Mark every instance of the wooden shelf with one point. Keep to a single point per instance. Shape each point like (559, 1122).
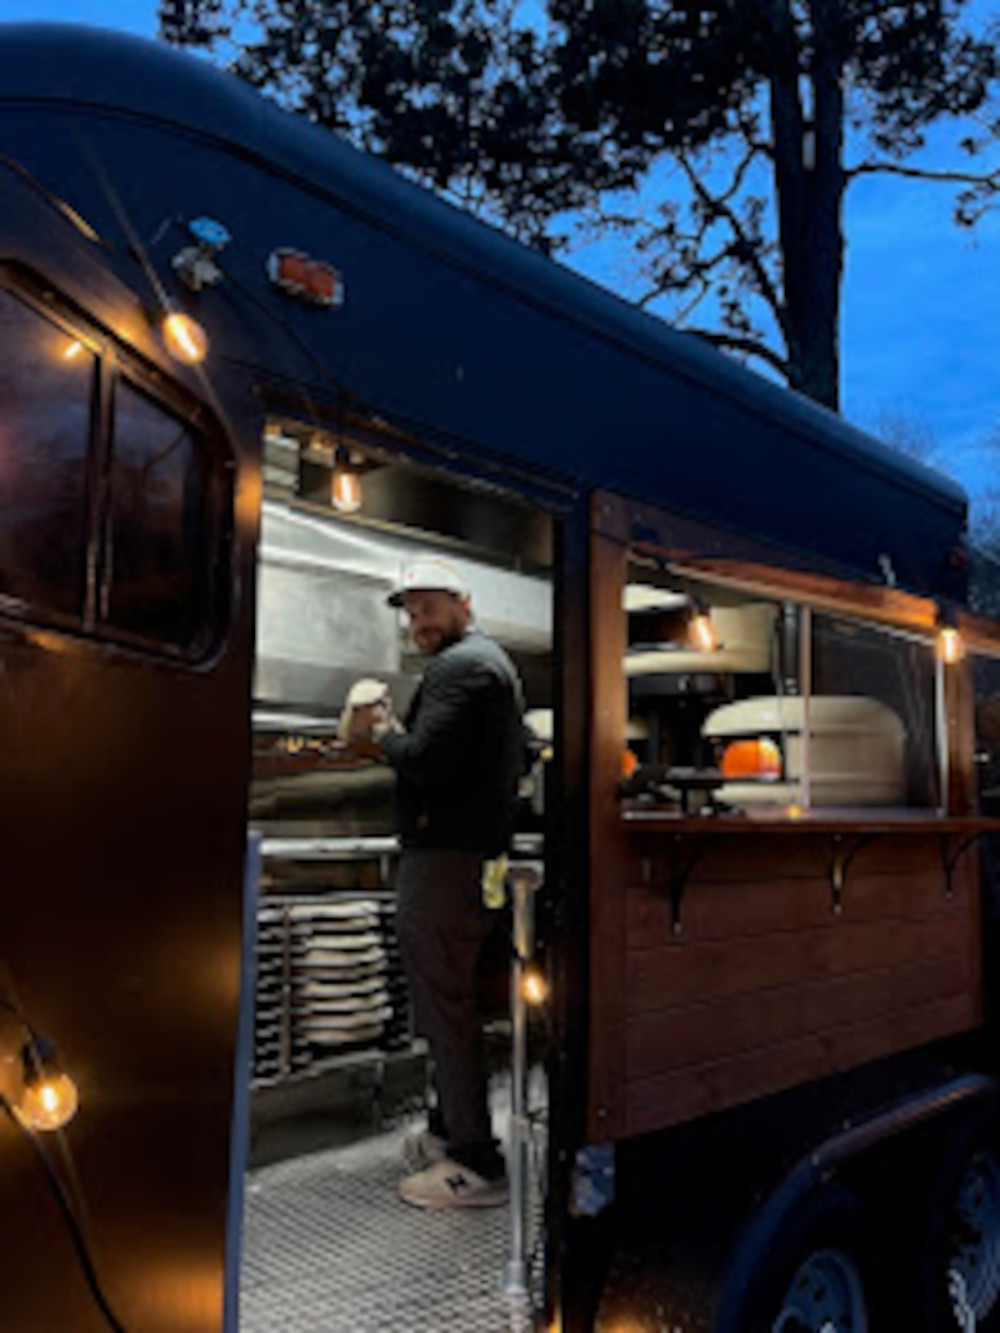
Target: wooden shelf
(847, 834)
(822, 821)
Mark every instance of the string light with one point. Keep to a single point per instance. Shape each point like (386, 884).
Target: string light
(534, 987)
(49, 1098)
(185, 339)
(45, 1097)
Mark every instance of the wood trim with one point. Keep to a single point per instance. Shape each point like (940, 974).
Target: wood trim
(608, 847)
(960, 716)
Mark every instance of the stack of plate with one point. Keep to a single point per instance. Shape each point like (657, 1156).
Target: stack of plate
(341, 991)
(329, 980)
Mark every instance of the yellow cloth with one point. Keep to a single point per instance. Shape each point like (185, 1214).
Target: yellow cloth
(495, 883)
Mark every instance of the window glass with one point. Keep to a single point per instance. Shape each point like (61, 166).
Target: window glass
(46, 383)
(156, 577)
(873, 733)
(712, 680)
(722, 716)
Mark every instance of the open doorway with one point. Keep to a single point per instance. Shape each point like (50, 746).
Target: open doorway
(339, 1076)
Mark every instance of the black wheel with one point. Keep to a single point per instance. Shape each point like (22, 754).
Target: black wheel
(959, 1245)
(812, 1274)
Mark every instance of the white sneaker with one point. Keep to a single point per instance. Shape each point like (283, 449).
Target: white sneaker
(447, 1184)
(422, 1149)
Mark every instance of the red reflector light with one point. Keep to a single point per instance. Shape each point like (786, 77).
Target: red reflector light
(306, 279)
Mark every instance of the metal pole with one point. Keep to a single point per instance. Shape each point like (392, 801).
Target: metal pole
(523, 878)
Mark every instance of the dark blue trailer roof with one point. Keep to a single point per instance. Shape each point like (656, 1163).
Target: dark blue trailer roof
(449, 325)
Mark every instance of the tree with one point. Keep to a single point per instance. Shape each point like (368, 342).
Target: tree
(452, 91)
(740, 126)
(910, 436)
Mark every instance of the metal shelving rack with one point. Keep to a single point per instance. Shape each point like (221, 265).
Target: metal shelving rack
(327, 963)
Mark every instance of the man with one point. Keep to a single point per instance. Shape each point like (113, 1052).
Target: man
(457, 758)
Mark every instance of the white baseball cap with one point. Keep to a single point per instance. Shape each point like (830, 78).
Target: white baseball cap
(428, 574)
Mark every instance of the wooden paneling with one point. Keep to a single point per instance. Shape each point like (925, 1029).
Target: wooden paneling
(714, 909)
(767, 986)
(696, 1033)
(690, 972)
(700, 1089)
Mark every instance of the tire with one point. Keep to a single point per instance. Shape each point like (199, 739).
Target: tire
(959, 1243)
(813, 1274)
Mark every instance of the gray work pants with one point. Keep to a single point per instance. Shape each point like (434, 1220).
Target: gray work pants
(442, 924)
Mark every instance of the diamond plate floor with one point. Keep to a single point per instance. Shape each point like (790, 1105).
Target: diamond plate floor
(328, 1247)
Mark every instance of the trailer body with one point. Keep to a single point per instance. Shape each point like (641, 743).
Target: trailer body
(701, 963)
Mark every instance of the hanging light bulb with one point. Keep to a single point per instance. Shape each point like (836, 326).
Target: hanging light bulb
(345, 489)
(184, 337)
(49, 1098)
(950, 644)
(701, 631)
(534, 987)
(951, 649)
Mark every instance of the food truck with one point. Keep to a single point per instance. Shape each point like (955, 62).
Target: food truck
(247, 373)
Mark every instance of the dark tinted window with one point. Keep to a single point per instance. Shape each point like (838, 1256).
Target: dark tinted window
(46, 379)
(156, 578)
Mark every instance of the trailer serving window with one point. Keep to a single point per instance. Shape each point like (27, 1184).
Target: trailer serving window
(116, 499)
(740, 701)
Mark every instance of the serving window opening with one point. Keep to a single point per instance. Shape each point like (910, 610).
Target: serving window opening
(337, 1066)
(741, 702)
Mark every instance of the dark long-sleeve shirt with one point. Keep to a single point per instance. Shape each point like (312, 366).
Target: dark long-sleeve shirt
(461, 755)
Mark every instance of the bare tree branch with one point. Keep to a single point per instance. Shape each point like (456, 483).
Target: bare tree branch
(740, 172)
(691, 306)
(750, 252)
(991, 179)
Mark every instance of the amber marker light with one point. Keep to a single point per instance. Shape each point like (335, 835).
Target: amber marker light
(534, 987)
(185, 339)
(49, 1098)
(72, 350)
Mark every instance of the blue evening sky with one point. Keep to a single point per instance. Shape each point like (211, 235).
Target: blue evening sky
(921, 328)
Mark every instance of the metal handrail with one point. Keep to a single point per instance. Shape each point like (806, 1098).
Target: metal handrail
(524, 878)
